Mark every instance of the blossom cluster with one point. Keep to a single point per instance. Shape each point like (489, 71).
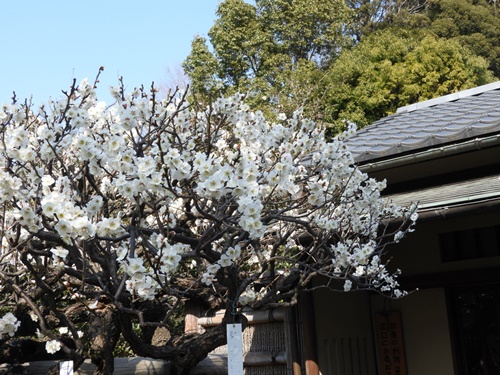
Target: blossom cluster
(227, 259)
(9, 324)
(144, 281)
(127, 199)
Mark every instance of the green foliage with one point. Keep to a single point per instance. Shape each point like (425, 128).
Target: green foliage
(268, 49)
(201, 67)
(387, 70)
(238, 54)
(472, 23)
(356, 60)
(370, 14)
(476, 25)
(309, 30)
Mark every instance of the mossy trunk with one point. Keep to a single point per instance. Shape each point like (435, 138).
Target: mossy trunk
(184, 353)
(104, 333)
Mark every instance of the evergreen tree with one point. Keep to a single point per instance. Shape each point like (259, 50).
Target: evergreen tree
(473, 23)
(357, 60)
(389, 69)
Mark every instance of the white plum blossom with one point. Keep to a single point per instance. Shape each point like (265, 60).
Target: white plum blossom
(9, 324)
(33, 316)
(52, 346)
(347, 285)
(134, 266)
(142, 286)
(109, 227)
(225, 261)
(59, 252)
(234, 252)
(94, 205)
(398, 236)
(209, 276)
(247, 297)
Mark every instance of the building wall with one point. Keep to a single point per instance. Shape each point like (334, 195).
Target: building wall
(344, 333)
(419, 252)
(425, 330)
(344, 321)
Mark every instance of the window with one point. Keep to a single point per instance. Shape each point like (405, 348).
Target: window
(470, 244)
(476, 327)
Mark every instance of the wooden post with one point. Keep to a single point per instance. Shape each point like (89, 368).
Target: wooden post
(306, 308)
(294, 360)
(192, 312)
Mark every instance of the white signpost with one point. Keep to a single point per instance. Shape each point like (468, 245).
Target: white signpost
(66, 368)
(234, 349)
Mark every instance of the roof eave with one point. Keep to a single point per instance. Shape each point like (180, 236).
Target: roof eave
(430, 154)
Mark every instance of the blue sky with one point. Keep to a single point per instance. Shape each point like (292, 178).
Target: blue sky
(45, 44)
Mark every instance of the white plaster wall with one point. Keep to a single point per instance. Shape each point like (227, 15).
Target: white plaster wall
(425, 330)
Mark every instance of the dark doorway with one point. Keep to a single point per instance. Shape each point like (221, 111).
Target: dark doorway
(476, 328)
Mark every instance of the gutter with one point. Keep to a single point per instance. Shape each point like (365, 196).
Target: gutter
(434, 153)
(447, 212)
(460, 201)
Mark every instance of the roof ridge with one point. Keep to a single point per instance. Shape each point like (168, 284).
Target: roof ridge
(450, 97)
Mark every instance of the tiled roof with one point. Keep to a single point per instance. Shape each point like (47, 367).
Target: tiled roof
(451, 118)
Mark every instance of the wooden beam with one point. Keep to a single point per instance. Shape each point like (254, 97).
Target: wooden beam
(465, 277)
(253, 317)
(291, 327)
(265, 359)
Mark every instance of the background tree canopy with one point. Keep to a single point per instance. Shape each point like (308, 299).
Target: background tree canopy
(389, 69)
(345, 60)
(473, 23)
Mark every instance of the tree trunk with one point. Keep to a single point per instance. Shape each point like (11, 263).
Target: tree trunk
(104, 333)
(195, 348)
(184, 353)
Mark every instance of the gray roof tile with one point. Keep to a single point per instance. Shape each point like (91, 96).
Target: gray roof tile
(452, 193)
(456, 117)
